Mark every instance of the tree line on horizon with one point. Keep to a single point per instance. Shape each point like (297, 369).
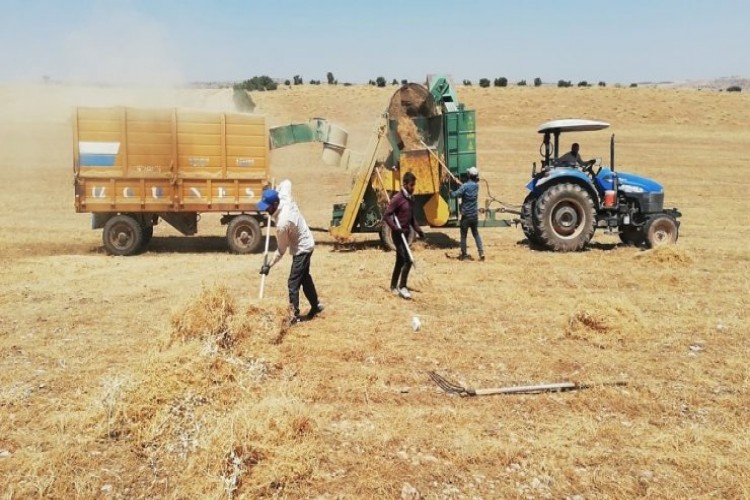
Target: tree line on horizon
(265, 83)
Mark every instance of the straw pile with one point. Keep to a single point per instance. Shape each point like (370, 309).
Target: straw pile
(605, 325)
(666, 254)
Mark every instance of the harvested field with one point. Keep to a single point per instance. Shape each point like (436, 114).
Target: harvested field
(163, 376)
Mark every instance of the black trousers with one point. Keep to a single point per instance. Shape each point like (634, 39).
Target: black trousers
(403, 264)
(299, 276)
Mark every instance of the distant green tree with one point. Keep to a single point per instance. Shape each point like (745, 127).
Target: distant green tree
(633, 85)
(500, 82)
(297, 80)
(522, 83)
(564, 83)
(287, 82)
(380, 81)
(734, 88)
(371, 82)
(537, 82)
(258, 83)
(314, 82)
(404, 81)
(329, 77)
(583, 83)
(394, 82)
(484, 82)
(467, 83)
(602, 84)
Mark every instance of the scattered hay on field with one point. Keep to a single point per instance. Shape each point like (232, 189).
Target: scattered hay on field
(212, 318)
(666, 254)
(212, 416)
(409, 133)
(207, 317)
(605, 325)
(202, 407)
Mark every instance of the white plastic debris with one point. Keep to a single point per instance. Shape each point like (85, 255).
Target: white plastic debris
(416, 325)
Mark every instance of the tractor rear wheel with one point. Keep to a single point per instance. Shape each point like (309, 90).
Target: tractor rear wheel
(565, 216)
(528, 225)
(244, 234)
(661, 230)
(122, 235)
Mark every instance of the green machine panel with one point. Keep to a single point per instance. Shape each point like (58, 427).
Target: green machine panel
(460, 140)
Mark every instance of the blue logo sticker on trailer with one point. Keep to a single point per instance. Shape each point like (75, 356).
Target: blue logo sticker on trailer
(98, 154)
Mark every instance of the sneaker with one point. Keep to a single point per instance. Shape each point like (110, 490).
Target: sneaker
(314, 311)
(404, 293)
(394, 291)
(295, 320)
(481, 257)
(463, 257)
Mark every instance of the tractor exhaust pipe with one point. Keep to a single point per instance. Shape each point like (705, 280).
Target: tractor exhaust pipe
(612, 153)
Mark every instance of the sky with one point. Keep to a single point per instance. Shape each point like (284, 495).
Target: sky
(175, 42)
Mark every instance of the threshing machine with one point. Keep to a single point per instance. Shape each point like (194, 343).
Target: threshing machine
(425, 131)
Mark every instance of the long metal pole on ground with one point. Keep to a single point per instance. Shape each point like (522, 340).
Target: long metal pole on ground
(265, 252)
(265, 256)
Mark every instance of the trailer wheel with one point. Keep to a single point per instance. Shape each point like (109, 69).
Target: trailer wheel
(565, 216)
(661, 230)
(244, 234)
(386, 237)
(122, 235)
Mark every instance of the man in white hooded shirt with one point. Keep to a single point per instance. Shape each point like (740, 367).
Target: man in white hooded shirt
(292, 233)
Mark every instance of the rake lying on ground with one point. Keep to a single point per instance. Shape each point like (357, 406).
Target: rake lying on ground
(452, 388)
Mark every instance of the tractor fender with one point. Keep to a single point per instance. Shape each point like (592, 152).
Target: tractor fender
(558, 176)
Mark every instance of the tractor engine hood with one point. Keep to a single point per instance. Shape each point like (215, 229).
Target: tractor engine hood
(632, 183)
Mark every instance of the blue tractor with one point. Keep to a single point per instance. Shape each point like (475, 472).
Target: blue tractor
(567, 202)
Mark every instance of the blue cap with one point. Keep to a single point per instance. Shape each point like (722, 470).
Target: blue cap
(270, 196)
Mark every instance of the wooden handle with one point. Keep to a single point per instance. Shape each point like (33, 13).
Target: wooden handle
(526, 389)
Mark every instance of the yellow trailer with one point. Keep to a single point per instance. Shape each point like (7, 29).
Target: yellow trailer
(134, 167)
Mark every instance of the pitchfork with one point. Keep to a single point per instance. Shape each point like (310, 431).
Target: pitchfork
(452, 388)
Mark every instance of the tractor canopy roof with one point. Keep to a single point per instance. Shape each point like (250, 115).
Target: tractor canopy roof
(571, 125)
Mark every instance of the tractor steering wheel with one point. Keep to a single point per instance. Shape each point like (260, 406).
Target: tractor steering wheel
(589, 167)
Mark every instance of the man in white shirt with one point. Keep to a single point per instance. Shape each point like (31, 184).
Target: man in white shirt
(292, 233)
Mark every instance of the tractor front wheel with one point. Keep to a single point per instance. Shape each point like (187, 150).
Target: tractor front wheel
(565, 216)
(661, 230)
